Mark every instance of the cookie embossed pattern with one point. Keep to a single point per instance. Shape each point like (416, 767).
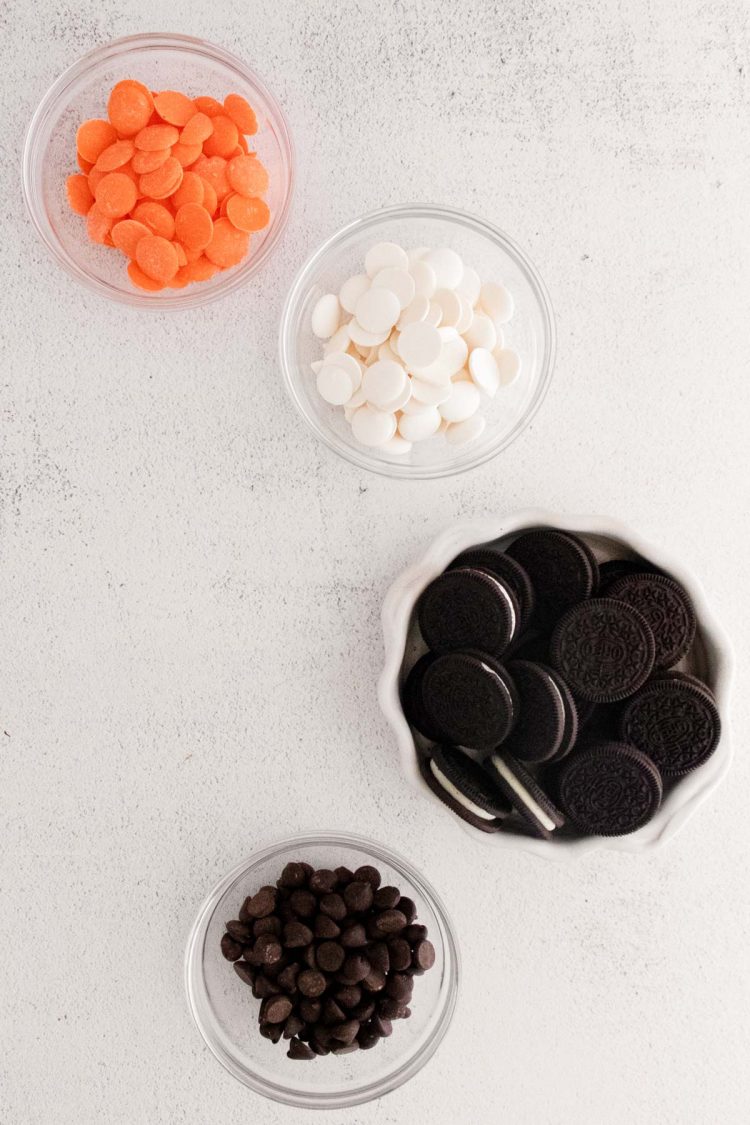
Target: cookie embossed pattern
(696, 691)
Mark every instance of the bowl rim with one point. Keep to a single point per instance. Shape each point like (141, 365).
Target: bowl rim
(303, 279)
(154, 40)
(196, 993)
(691, 791)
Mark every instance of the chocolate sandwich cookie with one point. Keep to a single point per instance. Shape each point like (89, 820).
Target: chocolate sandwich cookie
(609, 788)
(543, 706)
(412, 703)
(506, 569)
(562, 569)
(666, 607)
(471, 698)
(468, 608)
(615, 569)
(524, 794)
(674, 720)
(464, 787)
(604, 649)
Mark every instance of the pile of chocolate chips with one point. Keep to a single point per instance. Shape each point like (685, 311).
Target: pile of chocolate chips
(558, 675)
(331, 955)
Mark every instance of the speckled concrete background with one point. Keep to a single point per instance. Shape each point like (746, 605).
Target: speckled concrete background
(190, 586)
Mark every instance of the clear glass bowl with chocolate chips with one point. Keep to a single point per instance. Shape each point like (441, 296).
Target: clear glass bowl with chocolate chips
(337, 951)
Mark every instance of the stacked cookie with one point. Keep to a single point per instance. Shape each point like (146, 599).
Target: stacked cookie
(549, 694)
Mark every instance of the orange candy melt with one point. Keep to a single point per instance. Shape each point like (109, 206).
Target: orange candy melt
(167, 180)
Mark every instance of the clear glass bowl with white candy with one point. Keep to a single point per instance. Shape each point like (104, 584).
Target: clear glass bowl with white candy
(417, 342)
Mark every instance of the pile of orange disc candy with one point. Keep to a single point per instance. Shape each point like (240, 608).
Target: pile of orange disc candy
(170, 181)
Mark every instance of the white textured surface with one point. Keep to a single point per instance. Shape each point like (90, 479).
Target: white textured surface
(190, 596)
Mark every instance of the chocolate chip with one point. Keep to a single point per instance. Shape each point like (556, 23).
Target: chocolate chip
(368, 1038)
(293, 875)
(332, 1013)
(267, 950)
(293, 1025)
(343, 875)
(334, 906)
(307, 868)
(408, 908)
(348, 996)
(400, 953)
(240, 932)
(364, 1011)
(330, 956)
(303, 903)
(325, 927)
(300, 1050)
(309, 957)
(415, 933)
(275, 969)
(263, 903)
(287, 978)
(368, 874)
(354, 936)
(271, 924)
(243, 914)
(374, 981)
(230, 948)
(244, 972)
(346, 1049)
(318, 1050)
(263, 987)
(399, 986)
(386, 898)
(424, 955)
(358, 896)
(271, 1031)
(391, 1009)
(323, 881)
(355, 968)
(379, 956)
(311, 983)
(297, 935)
(390, 921)
(345, 1032)
(309, 1010)
(382, 1026)
(276, 1009)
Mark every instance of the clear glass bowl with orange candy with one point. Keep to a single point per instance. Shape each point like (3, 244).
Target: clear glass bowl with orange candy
(158, 171)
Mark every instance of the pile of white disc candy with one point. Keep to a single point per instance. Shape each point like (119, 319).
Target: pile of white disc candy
(410, 344)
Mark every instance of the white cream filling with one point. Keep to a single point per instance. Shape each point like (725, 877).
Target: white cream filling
(456, 794)
(523, 794)
(508, 602)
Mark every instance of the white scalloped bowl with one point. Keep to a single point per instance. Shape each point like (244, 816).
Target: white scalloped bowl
(711, 658)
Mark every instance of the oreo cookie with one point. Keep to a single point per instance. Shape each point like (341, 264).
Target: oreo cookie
(562, 569)
(468, 608)
(526, 796)
(544, 705)
(615, 569)
(507, 570)
(609, 788)
(667, 609)
(464, 787)
(674, 720)
(604, 649)
(411, 700)
(471, 698)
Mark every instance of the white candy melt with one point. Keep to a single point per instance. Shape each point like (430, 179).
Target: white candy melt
(373, 427)
(334, 385)
(419, 345)
(383, 255)
(326, 316)
(408, 345)
(384, 383)
(352, 290)
(496, 301)
(377, 310)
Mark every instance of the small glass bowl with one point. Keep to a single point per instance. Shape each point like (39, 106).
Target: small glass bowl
(226, 1013)
(161, 62)
(496, 258)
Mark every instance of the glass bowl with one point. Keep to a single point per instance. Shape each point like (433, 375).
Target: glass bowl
(496, 258)
(160, 62)
(226, 1012)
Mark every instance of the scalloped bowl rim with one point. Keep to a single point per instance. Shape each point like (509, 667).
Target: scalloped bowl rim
(692, 790)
